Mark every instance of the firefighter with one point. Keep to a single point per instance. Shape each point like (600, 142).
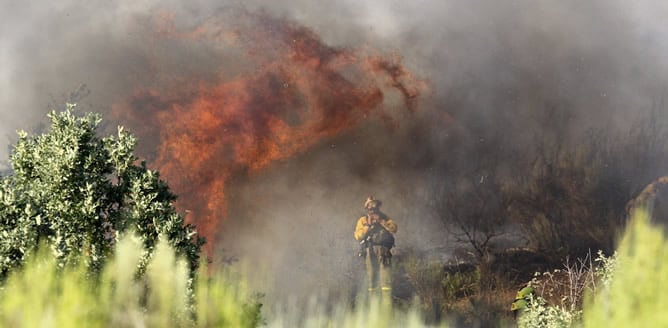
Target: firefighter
(375, 232)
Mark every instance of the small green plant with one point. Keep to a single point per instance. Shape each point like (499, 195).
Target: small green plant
(605, 268)
(538, 314)
(457, 284)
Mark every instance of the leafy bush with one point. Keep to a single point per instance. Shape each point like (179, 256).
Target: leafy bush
(79, 192)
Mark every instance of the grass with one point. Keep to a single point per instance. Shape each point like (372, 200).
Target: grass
(42, 294)
(631, 290)
(637, 293)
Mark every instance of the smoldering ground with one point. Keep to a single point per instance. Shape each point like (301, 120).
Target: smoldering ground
(494, 69)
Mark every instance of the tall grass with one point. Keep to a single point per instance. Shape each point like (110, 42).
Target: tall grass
(42, 294)
(637, 294)
(632, 292)
(369, 312)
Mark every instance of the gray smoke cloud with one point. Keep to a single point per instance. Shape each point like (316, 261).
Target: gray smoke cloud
(494, 68)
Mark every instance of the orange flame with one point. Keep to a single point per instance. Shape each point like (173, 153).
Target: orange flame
(299, 92)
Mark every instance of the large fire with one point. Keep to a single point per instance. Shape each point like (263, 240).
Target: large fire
(296, 92)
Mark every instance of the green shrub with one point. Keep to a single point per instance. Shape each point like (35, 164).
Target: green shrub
(79, 192)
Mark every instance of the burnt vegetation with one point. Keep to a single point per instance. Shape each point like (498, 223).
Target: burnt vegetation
(516, 213)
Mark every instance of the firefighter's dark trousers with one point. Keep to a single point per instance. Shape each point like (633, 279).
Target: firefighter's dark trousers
(378, 268)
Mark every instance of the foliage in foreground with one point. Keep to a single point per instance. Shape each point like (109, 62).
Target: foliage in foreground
(637, 293)
(42, 294)
(631, 291)
(631, 288)
(79, 192)
(369, 313)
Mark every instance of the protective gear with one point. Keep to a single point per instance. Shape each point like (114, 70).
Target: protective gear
(375, 232)
(365, 222)
(376, 235)
(371, 202)
(378, 269)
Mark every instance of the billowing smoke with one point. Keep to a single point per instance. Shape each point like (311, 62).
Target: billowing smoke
(491, 70)
(299, 92)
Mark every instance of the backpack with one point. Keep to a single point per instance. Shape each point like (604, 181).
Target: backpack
(382, 237)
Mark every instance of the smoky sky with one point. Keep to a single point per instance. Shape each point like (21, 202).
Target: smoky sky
(482, 57)
(493, 68)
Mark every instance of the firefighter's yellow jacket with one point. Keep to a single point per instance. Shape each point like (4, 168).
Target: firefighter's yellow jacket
(363, 226)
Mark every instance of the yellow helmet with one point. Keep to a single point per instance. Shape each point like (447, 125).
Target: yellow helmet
(371, 202)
